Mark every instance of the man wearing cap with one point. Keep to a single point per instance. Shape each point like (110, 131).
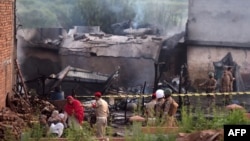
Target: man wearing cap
(74, 112)
(159, 104)
(102, 112)
(210, 86)
(169, 109)
(150, 111)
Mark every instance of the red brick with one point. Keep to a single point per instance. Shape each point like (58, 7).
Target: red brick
(6, 43)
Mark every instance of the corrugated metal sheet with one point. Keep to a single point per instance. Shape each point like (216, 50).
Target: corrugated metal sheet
(87, 76)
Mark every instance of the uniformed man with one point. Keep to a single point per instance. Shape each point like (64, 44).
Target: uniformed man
(230, 74)
(150, 111)
(169, 109)
(102, 112)
(227, 83)
(210, 86)
(159, 104)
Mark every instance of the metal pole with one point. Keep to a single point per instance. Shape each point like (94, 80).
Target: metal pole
(156, 74)
(125, 114)
(180, 85)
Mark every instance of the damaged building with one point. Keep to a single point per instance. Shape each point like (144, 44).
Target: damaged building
(217, 35)
(142, 55)
(43, 52)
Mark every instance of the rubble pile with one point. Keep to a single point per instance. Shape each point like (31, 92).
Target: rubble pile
(20, 114)
(11, 124)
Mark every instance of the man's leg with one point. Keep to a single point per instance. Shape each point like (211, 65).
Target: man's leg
(101, 124)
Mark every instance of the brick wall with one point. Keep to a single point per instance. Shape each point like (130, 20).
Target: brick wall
(6, 48)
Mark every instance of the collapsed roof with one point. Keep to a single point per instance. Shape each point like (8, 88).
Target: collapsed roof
(70, 73)
(91, 49)
(136, 44)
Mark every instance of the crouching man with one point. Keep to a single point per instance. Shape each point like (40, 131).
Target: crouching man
(55, 124)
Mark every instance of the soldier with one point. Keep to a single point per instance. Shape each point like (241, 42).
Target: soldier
(210, 85)
(227, 83)
(150, 112)
(230, 73)
(159, 104)
(169, 109)
(102, 112)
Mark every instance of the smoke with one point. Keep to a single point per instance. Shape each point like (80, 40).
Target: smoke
(169, 16)
(165, 14)
(21, 43)
(139, 14)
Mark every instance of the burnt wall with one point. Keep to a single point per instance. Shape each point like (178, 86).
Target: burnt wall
(36, 65)
(133, 71)
(200, 61)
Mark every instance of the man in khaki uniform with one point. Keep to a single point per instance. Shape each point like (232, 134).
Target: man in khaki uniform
(169, 109)
(102, 112)
(210, 85)
(227, 83)
(159, 104)
(150, 111)
(230, 74)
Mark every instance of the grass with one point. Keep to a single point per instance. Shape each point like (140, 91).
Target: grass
(190, 122)
(133, 133)
(195, 122)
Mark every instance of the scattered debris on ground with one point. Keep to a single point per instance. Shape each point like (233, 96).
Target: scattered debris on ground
(205, 135)
(20, 114)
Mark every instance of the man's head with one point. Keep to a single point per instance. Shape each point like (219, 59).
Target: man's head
(159, 93)
(70, 99)
(210, 74)
(97, 95)
(167, 92)
(229, 68)
(55, 113)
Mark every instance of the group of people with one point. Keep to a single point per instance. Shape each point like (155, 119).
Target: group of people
(54, 124)
(162, 107)
(161, 110)
(226, 85)
(72, 116)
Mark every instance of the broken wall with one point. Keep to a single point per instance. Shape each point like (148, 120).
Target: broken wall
(215, 28)
(133, 71)
(200, 61)
(97, 52)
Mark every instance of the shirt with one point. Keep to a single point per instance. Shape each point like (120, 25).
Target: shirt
(102, 109)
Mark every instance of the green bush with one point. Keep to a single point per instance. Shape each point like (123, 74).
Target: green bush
(194, 122)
